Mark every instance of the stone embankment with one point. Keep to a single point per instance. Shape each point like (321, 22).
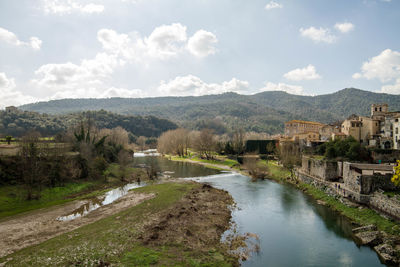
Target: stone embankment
(387, 247)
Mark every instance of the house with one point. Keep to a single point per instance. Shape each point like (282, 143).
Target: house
(326, 131)
(295, 127)
(11, 109)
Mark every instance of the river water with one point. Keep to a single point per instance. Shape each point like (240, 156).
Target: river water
(294, 230)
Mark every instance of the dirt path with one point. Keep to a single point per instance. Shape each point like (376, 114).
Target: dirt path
(38, 226)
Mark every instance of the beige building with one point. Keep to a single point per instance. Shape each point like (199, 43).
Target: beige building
(295, 127)
(396, 133)
(327, 130)
(363, 129)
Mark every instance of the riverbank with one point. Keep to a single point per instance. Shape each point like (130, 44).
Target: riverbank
(13, 200)
(385, 236)
(181, 224)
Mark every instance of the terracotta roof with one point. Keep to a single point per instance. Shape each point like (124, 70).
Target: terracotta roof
(306, 122)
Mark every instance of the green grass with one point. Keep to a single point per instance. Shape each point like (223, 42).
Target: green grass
(115, 239)
(13, 198)
(364, 216)
(276, 172)
(219, 161)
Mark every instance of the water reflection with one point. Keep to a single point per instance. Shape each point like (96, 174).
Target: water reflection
(95, 203)
(173, 169)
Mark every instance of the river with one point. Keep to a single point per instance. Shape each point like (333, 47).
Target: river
(294, 230)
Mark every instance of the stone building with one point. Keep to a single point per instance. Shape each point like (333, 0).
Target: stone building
(11, 109)
(296, 127)
(326, 132)
(366, 130)
(396, 132)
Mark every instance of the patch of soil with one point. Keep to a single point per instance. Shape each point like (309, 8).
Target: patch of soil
(38, 226)
(197, 221)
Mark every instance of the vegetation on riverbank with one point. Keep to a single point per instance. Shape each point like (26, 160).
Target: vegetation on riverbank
(363, 216)
(13, 200)
(146, 234)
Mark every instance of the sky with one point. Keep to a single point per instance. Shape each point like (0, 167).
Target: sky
(54, 49)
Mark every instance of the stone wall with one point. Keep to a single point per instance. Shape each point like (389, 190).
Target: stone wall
(325, 170)
(385, 156)
(351, 178)
(371, 183)
(382, 203)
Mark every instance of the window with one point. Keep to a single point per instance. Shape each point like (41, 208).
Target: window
(380, 109)
(397, 130)
(376, 109)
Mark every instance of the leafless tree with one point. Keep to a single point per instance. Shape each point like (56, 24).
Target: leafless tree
(124, 159)
(31, 159)
(174, 142)
(289, 154)
(141, 142)
(238, 141)
(205, 143)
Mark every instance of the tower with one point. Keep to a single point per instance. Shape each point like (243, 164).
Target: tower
(378, 110)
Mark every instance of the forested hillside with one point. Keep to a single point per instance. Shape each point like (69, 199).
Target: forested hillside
(262, 112)
(17, 124)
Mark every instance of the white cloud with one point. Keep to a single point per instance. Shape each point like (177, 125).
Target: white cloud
(392, 89)
(192, 85)
(201, 43)
(97, 93)
(356, 76)
(68, 76)
(306, 73)
(69, 6)
(10, 38)
(318, 34)
(385, 67)
(344, 27)
(272, 5)
(93, 77)
(164, 42)
(291, 89)
(9, 95)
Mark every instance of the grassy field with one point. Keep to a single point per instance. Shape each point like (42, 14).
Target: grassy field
(13, 198)
(220, 160)
(116, 240)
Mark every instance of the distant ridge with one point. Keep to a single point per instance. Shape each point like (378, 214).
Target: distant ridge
(262, 112)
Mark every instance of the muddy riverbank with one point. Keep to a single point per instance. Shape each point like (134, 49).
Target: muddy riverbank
(175, 223)
(40, 225)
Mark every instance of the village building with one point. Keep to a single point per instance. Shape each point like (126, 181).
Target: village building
(295, 127)
(326, 131)
(12, 109)
(366, 130)
(396, 132)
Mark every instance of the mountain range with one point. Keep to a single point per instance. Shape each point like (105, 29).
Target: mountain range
(262, 112)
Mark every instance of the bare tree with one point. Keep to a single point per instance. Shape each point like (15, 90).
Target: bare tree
(141, 142)
(256, 169)
(174, 142)
(124, 159)
(205, 143)
(289, 154)
(238, 141)
(32, 171)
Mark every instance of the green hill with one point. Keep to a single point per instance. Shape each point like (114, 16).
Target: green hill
(262, 112)
(17, 124)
